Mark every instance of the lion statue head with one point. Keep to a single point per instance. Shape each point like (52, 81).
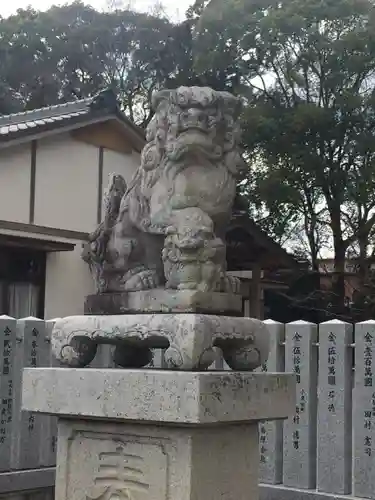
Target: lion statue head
(191, 126)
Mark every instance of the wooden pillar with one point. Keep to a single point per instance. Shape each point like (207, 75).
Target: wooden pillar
(255, 295)
(245, 292)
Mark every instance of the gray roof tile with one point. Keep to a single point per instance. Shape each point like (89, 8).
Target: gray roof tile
(103, 105)
(10, 125)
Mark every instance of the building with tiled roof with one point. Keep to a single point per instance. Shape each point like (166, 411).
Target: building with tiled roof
(28, 125)
(54, 165)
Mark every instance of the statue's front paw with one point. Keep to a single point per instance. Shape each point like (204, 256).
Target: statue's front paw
(229, 284)
(144, 280)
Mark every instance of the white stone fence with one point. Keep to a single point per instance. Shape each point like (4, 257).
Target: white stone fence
(327, 447)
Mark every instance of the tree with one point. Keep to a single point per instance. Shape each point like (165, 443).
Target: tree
(35, 48)
(306, 71)
(70, 52)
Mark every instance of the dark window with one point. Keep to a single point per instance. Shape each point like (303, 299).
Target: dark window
(22, 282)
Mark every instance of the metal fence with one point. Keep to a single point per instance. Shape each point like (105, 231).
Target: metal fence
(326, 449)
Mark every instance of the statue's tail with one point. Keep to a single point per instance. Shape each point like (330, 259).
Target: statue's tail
(113, 196)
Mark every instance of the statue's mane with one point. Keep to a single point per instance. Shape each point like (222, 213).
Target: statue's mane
(164, 150)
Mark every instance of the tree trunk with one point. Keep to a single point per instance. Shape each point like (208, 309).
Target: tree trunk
(363, 271)
(338, 279)
(340, 247)
(310, 223)
(313, 252)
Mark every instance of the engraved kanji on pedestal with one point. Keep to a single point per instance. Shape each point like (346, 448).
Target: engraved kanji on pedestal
(121, 475)
(115, 466)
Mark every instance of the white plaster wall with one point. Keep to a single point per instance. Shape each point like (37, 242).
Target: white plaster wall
(68, 281)
(15, 171)
(66, 184)
(66, 195)
(119, 163)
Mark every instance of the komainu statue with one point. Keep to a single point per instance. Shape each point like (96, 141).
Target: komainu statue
(167, 228)
(159, 256)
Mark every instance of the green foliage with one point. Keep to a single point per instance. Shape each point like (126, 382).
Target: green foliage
(72, 51)
(305, 68)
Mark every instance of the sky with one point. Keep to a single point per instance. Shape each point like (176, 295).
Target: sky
(9, 7)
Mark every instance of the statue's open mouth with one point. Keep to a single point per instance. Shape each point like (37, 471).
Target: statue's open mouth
(196, 127)
(193, 141)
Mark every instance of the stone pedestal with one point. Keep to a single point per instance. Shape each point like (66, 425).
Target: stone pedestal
(158, 435)
(189, 340)
(164, 301)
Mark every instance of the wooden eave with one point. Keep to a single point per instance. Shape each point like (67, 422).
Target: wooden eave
(31, 236)
(43, 245)
(248, 245)
(111, 134)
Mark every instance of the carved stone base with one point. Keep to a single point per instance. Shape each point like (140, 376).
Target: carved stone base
(188, 339)
(164, 301)
(157, 435)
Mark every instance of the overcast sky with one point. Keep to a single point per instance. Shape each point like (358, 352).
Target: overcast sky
(174, 9)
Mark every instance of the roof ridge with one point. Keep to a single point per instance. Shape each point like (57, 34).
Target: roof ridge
(98, 107)
(45, 112)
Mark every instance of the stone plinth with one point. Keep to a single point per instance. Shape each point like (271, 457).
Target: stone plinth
(189, 340)
(164, 301)
(130, 434)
